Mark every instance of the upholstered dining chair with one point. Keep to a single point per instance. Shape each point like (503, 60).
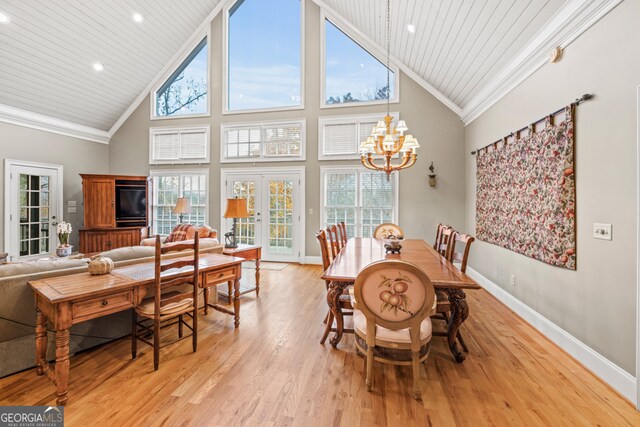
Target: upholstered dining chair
(344, 300)
(393, 302)
(173, 299)
(342, 230)
(443, 307)
(383, 231)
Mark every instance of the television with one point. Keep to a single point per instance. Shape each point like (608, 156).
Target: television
(131, 203)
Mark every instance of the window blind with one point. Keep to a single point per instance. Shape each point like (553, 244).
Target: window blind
(179, 146)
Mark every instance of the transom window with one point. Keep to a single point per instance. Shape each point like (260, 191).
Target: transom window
(168, 186)
(362, 199)
(264, 51)
(185, 91)
(351, 73)
(270, 141)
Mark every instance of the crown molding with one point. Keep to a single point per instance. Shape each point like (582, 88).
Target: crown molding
(20, 117)
(366, 41)
(570, 21)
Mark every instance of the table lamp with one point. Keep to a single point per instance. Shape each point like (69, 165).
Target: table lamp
(182, 207)
(236, 208)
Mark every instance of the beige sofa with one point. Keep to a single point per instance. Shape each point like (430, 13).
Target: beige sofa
(17, 310)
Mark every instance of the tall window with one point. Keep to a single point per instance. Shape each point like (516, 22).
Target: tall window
(167, 187)
(264, 54)
(185, 91)
(361, 198)
(352, 74)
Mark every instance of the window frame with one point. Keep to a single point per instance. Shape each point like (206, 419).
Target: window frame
(175, 64)
(369, 46)
(180, 173)
(358, 170)
(347, 119)
(180, 129)
(262, 124)
(225, 65)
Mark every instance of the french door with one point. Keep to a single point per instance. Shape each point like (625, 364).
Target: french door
(33, 197)
(274, 204)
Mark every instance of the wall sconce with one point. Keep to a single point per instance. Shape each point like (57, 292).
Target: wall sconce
(432, 176)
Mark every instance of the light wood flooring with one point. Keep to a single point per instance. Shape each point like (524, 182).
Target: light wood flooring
(273, 371)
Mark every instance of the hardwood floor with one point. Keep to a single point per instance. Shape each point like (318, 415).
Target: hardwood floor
(273, 371)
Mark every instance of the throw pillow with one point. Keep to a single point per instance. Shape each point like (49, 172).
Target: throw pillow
(203, 231)
(180, 233)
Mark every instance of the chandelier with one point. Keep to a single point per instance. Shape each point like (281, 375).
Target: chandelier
(386, 141)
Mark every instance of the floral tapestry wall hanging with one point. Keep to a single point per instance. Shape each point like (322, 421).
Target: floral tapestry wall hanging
(526, 196)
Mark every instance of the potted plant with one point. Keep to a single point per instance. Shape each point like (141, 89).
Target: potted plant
(63, 230)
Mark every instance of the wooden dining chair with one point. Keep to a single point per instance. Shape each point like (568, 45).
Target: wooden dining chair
(387, 229)
(334, 241)
(393, 302)
(344, 300)
(173, 299)
(439, 229)
(342, 230)
(443, 242)
(443, 307)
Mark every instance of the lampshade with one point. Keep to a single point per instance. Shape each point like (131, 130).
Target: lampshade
(236, 208)
(182, 207)
(402, 126)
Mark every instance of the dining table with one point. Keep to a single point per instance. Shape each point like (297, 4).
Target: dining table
(359, 252)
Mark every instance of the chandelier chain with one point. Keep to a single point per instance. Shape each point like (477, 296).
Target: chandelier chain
(388, 52)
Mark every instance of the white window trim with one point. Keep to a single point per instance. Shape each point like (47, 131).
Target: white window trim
(346, 119)
(173, 172)
(229, 126)
(162, 80)
(8, 163)
(373, 50)
(324, 170)
(206, 160)
(225, 67)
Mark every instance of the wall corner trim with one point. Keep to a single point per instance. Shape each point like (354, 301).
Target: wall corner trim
(569, 22)
(17, 116)
(619, 379)
(314, 260)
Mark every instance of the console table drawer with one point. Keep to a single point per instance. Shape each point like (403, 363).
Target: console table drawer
(221, 276)
(100, 306)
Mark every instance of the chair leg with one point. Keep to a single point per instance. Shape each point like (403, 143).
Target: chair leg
(194, 335)
(326, 318)
(415, 365)
(134, 336)
(327, 328)
(156, 344)
(369, 380)
(180, 322)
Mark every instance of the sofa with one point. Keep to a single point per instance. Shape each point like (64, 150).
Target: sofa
(17, 309)
(207, 234)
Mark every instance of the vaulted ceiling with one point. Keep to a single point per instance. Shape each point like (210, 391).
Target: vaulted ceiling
(460, 50)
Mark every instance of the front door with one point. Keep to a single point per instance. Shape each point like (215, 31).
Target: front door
(273, 204)
(34, 209)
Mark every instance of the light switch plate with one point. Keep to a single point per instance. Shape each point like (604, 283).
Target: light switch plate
(602, 231)
(71, 203)
(71, 209)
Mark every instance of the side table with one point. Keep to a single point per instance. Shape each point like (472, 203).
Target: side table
(249, 253)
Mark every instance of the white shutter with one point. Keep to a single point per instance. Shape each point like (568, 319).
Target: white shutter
(340, 139)
(179, 146)
(165, 146)
(193, 145)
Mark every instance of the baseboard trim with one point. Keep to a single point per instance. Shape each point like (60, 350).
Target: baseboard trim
(609, 372)
(315, 260)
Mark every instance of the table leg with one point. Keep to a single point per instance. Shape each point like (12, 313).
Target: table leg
(333, 300)
(257, 277)
(230, 289)
(459, 313)
(62, 366)
(236, 303)
(206, 301)
(41, 342)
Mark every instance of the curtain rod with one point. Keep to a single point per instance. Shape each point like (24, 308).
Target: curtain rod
(578, 101)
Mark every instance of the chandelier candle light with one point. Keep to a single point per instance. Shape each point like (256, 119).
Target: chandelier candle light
(386, 140)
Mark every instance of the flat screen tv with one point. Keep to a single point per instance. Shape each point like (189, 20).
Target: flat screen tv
(131, 203)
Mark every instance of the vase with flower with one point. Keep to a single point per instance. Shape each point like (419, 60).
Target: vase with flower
(63, 230)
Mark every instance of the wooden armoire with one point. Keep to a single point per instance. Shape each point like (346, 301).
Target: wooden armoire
(103, 227)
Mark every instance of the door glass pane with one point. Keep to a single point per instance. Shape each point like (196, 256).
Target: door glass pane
(34, 202)
(246, 227)
(281, 217)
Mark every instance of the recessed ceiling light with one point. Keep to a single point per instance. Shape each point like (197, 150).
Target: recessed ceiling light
(411, 28)
(4, 19)
(137, 17)
(98, 66)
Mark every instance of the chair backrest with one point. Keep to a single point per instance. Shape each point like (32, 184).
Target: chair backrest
(342, 229)
(441, 227)
(383, 231)
(334, 240)
(444, 241)
(161, 283)
(465, 241)
(324, 249)
(395, 295)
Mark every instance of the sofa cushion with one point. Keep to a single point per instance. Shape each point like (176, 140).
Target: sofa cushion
(39, 266)
(129, 252)
(181, 232)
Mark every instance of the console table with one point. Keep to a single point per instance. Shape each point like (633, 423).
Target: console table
(250, 253)
(71, 299)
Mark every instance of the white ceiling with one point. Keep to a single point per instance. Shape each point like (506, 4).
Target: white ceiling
(48, 49)
(458, 45)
